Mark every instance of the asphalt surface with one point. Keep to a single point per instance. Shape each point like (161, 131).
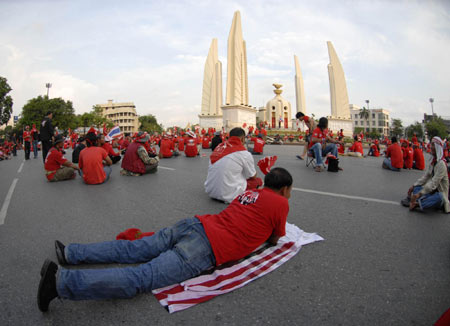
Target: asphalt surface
(379, 265)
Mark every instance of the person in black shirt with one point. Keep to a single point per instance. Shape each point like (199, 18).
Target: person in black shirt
(216, 140)
(76, 152)
(46, 134)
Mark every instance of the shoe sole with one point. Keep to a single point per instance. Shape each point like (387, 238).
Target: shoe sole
(59, 254)
(47, 267)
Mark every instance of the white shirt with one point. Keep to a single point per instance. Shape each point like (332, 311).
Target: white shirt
(227, 178)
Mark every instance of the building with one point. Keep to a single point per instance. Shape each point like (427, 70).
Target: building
(11, 122)
(378, 120)
(277, 111)
(121, 114)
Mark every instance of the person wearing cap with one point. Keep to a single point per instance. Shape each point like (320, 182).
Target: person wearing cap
(27, 142)
(191, 146)
(431, 190)
(46, 134)
(91, 161)
(104, 143)
(79, 147)
(374, 149)
(57, 167)
(216, 140)
(136, 160)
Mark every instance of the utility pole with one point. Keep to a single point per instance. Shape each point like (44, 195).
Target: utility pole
(48, 85)
(431, 102)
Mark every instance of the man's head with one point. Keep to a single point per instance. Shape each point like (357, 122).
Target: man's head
(393, 139)
(59, 141)
(49, 114)
(91, 139)
(101, 141)
(437, 148)
(238, 132)
(323, 123)
(299, 115)
(27, 128)
(280, 181)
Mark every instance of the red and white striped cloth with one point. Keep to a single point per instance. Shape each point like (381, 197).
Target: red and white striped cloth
(231, 276)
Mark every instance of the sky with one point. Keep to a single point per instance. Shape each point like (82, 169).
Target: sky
(394, 53)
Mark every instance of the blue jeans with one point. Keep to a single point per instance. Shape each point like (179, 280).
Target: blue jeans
(170, 256)
(107, 170)
(319, 152)
(387, 162)
(35, 148)
(429, 200)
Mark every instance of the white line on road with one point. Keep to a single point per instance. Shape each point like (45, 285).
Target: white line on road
(163, 167)
(7, 200)
(20, 168)
(347, 196)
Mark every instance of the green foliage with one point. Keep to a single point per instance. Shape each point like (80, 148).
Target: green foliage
(374, 134)
(358, 130)
(149, 124)
(364, 113)
(35, 110)
(436, 127)
(415, 128)
(6, 102)
(397, 127)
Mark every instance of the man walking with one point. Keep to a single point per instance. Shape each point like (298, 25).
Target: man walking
(27, 142)
(47, 133)
(35, 140)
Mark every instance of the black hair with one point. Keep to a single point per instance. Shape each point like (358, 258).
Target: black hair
(237, 132)
(277, 178)
(49, 112)
(299, 115)
(323, 123)
(355, 138)
(91, 139)
(394, 139)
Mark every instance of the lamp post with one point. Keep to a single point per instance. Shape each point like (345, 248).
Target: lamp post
(367, 102)
(431, 102)
(48, 85)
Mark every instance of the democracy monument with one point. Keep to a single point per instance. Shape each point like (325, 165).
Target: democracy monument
(277, 113)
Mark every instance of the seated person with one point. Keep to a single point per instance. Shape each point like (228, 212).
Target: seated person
(166, 147)
(216, 140)
(431, 190)
(258, 145)
(318, 144)
(91, 161)
(231, 169)
(394, 156)
(57, 167)
(419, 160)
(408, 156)
(136, 160)
(357, 148)
(191, 145)
(76, 152)
(205, 142)
(104, 143)
(374, 149)
(3, 155)
(173, 254)
(340, 145)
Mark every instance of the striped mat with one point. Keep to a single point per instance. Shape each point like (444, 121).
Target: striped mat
(231, 276)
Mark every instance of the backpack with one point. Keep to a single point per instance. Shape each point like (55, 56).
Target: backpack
(333, 164)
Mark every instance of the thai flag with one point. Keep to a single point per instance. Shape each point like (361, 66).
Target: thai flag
(114, 133)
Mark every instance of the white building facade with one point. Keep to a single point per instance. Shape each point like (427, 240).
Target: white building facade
(378, 120)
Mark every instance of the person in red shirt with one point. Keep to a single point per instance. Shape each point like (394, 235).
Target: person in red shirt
(205, 141)
(191, 149)
(57, 167)
(419, 160)
(340, 145)
(166, 147)
(27, 142)
(408, 157)
(258, 145)
(374, 149)
(91, 162)
(311, 124)
(394, 156)
(414, 138)
(357, 148)
(318, 144)
(104, 143)
(173, 254)
(181, 141)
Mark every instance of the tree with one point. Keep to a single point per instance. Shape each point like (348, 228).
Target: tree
(364, 114)
(415, 128)
(436, 127)
(86, 120)
(6, 102)
(149, 124)
(35, 110)
(397, 127)
(98, 119)
(358, 130)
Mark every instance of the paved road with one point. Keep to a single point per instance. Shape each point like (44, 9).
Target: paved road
(379, 265)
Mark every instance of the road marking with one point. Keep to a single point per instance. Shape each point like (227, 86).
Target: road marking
(347, 196)
(7, 200)
(163, 167)
(20, 168)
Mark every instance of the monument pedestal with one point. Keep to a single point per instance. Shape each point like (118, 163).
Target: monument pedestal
(211, 121)
(336, 124)
(236, 115)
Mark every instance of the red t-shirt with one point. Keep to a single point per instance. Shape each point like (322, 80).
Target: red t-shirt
(341, 149)
(357, 147)
(375, 150)
(317, 133)
(409, 158)
(54, 160)
(108, 148)
(167, 147)
(90, 162)
(26, 136)
(181, 144)
(395, 153)
(245, 224)
(205, 142)
(419, 159)
(191, 149)
(258, 144)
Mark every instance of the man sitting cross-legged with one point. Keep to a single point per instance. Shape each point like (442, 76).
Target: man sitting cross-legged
(57, 167)
(173, 254)
(93, 170)
(136, 160)
(394, 156)
(431, 190)
(357, 148)
(231, 169)
(318, 143)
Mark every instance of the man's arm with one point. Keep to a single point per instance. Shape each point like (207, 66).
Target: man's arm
(108, 160)
(273, 239)
(71, 165)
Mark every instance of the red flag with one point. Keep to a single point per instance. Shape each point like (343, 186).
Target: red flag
(266, 163)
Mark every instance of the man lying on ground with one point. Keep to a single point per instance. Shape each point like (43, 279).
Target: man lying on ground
(173, 254)
(57, 167)
(136, 160)
(431, 190)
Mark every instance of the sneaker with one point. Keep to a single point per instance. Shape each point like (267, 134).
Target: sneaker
(405, 202)
(47, 286)
(59, 248)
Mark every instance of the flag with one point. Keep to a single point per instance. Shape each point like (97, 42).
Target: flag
(113, 133)
(225, 279)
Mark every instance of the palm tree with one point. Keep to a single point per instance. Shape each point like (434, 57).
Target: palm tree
(364, 114)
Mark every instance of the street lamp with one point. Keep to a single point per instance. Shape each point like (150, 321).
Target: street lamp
(48, 85)
(367, 102)
(431, 102)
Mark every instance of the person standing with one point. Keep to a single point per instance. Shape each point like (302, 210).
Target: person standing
(14, 144)
(35, 140)
(27, 142)
(47, 134)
